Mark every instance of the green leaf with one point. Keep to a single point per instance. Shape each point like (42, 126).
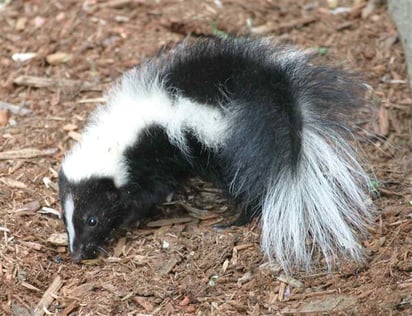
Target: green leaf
(322, 51)
(217, 32)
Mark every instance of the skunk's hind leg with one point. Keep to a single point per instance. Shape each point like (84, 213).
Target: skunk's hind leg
(244, 217)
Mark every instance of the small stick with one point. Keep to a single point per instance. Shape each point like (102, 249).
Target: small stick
(48, 296)
(26, 153)
(92, 100)
(170, 221)
(41, 82)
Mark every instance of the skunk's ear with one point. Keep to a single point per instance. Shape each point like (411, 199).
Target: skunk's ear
(113, 195)
(130, 199)
(131, 208)
(136, 203)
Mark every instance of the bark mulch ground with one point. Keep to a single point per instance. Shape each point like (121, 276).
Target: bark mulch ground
(186, 267)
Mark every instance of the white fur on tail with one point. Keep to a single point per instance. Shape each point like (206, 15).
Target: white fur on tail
(322, 202)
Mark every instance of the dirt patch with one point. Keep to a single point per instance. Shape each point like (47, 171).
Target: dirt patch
(186, 268)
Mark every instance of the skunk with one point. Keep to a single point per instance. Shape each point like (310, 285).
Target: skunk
(258, 120)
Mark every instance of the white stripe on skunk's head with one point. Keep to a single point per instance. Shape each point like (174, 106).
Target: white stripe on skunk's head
(68, 218)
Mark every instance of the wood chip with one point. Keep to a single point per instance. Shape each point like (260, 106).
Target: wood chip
(168, 266)
(15, 109)
(244, 279)
(59, 58)
(49, 210)
(185, 301)
(4, 229)
(356, 10)
(31, 245)
(244, 246)
(127, 296)
(225, 265)
(120, 247)
(385, 192)
(344, 25)
(93, 262)
(75, 135)
(50, 184)
(27, 153)
(61, 249)
(82, 289)
(332, 4)
(48, 296)
(312, 294)
(169, 221)
(144, 302)
(4, 117)
(282, 289)
(22, 57)
(58, 239)
(368, 10)
(383, 120)
(198, 213)
(69, 308)
(298, 23)
(31, 206)
(19, 310)
(290, 281)
(13, 183)
(92, 100)
(118, 4)
(21, 23)
(30, 287)
(42, 82)
(70, 127)
(405, 285)
(283, 27)
(323, 305)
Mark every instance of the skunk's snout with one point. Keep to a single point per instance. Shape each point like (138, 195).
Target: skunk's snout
(84, 252)
(77, 256)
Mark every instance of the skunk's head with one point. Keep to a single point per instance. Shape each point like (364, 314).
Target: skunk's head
(92, 209)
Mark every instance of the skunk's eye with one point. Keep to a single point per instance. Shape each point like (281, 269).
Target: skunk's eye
(91, 221)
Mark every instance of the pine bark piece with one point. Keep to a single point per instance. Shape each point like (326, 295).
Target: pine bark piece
(48, 297)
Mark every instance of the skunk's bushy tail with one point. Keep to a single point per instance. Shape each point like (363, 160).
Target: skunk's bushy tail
(315, 191)
(324, 200)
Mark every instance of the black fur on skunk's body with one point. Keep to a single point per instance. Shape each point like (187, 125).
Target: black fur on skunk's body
(261, 122)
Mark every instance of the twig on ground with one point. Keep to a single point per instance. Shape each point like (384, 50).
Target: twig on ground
(41, 82)
(48, 297)
(26, 153)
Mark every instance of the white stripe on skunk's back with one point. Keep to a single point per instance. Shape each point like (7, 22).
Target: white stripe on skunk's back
(132, 106)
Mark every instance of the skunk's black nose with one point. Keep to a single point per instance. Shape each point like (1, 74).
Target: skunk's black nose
(89, 251)
(77, 256)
